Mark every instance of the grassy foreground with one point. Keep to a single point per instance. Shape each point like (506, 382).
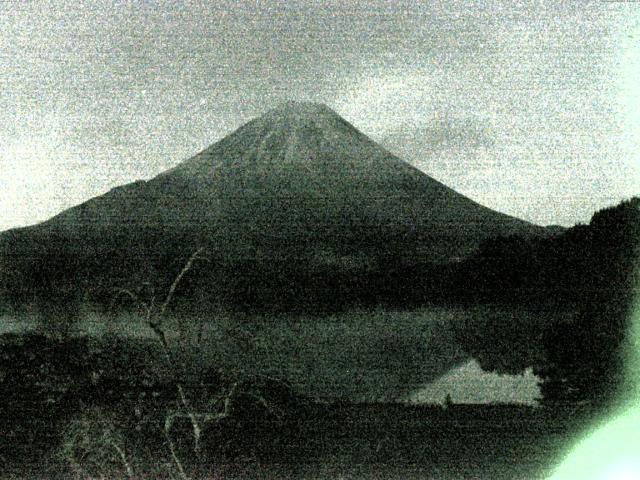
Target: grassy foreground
(349, 441)
(83, 408)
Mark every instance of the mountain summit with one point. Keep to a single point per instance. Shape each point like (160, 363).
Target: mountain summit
(296, 203)
(302, 111)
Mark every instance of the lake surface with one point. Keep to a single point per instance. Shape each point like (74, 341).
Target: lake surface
(469, 384)
(365, 355)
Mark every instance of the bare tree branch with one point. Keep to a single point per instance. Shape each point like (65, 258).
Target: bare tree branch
(177, 280)
(122, 455)
(168, 422)
(154, 316)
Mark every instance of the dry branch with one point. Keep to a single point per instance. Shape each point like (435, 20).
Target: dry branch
(154, 317)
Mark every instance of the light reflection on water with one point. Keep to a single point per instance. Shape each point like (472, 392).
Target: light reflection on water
(10, 324)
(92, 325)
(470, 384)
(355, 355)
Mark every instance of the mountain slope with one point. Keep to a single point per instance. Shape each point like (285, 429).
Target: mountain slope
(293, 202)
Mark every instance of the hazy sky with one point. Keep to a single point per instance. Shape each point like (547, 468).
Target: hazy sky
(529, 109)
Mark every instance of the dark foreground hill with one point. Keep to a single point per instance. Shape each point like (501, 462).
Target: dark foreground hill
(296, 207)
(592, 271)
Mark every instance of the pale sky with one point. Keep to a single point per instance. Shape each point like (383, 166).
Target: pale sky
(529, 108)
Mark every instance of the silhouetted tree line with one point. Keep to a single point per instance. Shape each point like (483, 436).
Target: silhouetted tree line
(565, 269)
(589, 269)
(587, 354)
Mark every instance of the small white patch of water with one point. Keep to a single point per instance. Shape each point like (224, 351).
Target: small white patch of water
(9, 324)
(468, 383)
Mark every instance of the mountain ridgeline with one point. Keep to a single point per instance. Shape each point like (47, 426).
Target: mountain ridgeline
(296, 209)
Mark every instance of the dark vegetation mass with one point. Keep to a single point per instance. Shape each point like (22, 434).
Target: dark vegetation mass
(91, 408)
(587, 269)
(99, 409)
(591, 270)
(296, 211)
(127, 407)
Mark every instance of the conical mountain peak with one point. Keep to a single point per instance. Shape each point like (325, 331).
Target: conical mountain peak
(292, 133)
(296, 189)
(293, 114)
(294, 109)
